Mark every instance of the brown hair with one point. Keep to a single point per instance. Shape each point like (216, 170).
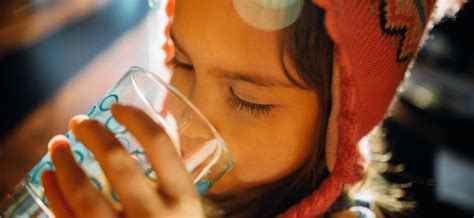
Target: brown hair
(312, 52)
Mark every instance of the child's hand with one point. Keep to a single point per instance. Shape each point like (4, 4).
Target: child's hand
(71, 194)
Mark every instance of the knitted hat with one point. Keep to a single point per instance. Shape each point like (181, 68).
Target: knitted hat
(375, 42)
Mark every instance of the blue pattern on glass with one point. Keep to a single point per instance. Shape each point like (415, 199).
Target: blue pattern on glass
(79, 156)
(148, 171)
(114, 196)
(124, 140)
(92, 110)
(131, 89)
(107, 102)
(103, 115)
(114, 126)
(202, 187)
(85, 158)
(96, 184)
(140, 156)
(35, 174)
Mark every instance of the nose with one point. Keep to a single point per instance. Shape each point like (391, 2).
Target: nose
(197, 89)
(206, 100)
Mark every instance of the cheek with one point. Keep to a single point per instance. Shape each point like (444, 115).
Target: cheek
(268, 160)
(265, 152)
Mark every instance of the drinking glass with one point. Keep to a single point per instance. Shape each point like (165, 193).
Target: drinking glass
(202, 149)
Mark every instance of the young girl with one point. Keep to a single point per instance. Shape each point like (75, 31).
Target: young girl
(291, 100)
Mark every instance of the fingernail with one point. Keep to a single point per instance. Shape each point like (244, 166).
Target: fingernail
(58, 142)
(76, 120)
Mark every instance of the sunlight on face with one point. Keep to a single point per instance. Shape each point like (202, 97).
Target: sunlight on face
(235, 76)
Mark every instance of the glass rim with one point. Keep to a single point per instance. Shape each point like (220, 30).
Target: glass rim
(169, 87)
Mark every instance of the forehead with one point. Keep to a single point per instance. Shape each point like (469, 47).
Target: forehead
(212, 33)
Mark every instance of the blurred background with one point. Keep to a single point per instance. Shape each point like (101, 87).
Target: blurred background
(57, 57)
(431, 126)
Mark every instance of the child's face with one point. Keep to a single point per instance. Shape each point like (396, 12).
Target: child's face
(234, 73)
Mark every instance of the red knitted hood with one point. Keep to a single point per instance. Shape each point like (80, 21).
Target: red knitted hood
(375, 43)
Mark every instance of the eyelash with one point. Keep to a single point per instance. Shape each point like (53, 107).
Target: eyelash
(175, 63)
(257, 110)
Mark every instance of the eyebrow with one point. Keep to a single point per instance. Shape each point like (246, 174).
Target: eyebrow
(253, 78)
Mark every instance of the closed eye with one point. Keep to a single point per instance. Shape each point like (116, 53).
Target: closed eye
(257, 110)
(178, 64)
(254, 109)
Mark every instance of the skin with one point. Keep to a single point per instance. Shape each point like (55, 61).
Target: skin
(216, 65)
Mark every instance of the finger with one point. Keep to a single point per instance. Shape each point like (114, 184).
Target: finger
(175, 182)
(76, 120)
(56, 201)
(127, 180)
(74, 184)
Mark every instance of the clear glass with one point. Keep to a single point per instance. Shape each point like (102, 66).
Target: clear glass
(202, 149)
